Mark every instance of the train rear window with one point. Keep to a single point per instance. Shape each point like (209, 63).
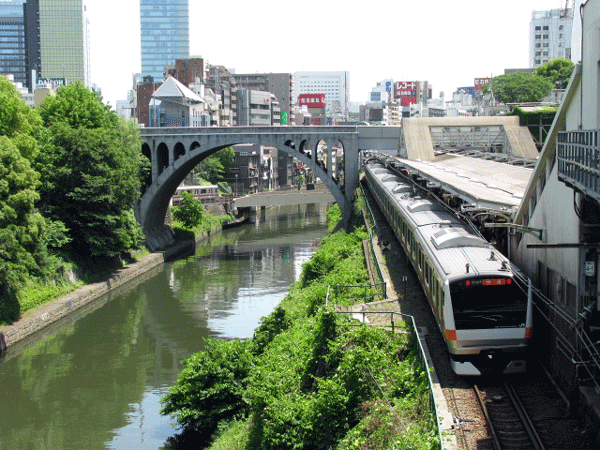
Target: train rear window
(488, 303)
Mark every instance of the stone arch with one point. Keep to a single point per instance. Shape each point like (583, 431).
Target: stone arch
(305, 149)
(339, 155)
(153, 205)
(178, 151)
(162, 157)
(147, 181)
(321, 153)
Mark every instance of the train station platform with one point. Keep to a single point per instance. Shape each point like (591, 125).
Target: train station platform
(479, 182)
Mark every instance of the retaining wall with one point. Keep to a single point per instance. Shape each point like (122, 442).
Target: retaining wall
(48, 314)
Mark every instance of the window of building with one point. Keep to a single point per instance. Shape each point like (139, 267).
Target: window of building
(545, 27)
(537, 28)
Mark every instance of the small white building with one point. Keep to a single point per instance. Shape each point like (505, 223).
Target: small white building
(175, 105)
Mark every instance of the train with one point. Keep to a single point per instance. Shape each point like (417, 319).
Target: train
(482, 306)
(205, 194)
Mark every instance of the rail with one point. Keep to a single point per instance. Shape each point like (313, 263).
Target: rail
(371, 226)
(414, 341)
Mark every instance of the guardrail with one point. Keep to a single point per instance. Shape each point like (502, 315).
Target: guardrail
(414, 341)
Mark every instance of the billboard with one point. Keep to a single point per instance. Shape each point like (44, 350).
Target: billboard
(481, 82)
(312, 100)
(406, 92)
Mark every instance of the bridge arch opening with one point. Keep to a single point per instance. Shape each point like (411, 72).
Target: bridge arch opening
(194, 145)
(178, 151)
(162, 157)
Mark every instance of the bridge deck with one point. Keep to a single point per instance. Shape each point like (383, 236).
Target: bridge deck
(484, 183)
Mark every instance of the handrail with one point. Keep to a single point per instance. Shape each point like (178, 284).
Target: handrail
(416, 341)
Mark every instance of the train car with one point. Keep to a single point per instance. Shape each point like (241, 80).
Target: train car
(205, 194)
(483, 310)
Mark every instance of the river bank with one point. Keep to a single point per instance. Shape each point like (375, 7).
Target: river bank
(46, 315)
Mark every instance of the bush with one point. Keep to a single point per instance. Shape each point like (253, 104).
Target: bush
(211, 386)
(191, 211)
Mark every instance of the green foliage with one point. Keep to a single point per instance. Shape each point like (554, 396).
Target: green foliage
(310, 381)
(558, 72)
(190, 212)
(224, 188)
(23, 238)
(213, 167)
(519, 87)
(269, 327)
(337, 247)
(20, 123)
(90, 173)
(211, 386)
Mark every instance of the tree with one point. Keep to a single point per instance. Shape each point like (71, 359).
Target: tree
(519, 87)
(190, 212)
(90, 170)
(558, 72)
(21, 226)
(213, 167)
(24, 233)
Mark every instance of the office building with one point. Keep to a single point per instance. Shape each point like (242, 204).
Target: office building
(279, 84)
(12, 40)
(65, 41)
(335, 86)
(165, 35)
(257, 108)
(550, 35)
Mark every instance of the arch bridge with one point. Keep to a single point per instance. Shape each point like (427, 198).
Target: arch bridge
(174, 152)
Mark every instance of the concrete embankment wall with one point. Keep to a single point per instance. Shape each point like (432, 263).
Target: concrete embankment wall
(43, 317)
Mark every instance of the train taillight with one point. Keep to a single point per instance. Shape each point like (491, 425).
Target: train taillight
(528, 333)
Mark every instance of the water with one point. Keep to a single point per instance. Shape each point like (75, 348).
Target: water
(95, 381)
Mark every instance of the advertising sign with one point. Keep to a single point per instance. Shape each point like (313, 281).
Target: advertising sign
(312, 100)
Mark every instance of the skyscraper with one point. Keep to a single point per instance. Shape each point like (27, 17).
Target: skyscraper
(165, 34)
(64, 40)
(12, 40)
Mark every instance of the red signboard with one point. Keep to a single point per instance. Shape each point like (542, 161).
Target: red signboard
(481, 82)
(406, 92)
(312, 100)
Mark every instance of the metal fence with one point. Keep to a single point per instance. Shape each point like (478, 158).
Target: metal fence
(405, 323)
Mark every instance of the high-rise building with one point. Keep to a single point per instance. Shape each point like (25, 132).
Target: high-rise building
(64, 40)
(12, 40)
(33, 57)
(165, 34)
(550, 35)
(335, 86)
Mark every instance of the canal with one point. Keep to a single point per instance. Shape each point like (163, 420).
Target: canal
(95, 380)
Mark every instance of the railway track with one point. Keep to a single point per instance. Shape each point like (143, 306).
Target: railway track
(509, 425)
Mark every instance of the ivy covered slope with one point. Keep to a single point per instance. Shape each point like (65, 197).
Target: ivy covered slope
(309, 379)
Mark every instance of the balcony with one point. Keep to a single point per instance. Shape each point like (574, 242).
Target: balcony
(578, 156)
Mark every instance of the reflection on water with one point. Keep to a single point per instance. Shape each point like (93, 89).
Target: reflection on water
(96, 382)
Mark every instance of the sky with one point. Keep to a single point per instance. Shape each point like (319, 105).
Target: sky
(448, 43)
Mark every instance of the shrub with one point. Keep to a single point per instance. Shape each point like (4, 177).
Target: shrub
(210, 388)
